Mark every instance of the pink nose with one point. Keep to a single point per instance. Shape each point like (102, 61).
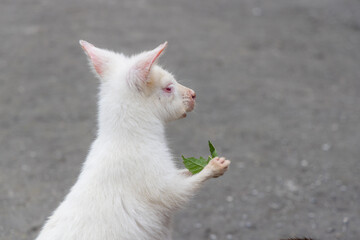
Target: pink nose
(193, 94)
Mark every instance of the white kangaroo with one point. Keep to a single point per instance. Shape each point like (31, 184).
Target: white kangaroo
(129, 186)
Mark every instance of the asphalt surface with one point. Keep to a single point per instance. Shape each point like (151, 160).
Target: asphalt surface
(278, 93)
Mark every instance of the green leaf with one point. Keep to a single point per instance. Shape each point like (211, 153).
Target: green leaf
(194, 165)
(212, 150)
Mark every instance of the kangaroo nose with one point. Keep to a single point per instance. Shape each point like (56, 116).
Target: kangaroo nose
(193, 94)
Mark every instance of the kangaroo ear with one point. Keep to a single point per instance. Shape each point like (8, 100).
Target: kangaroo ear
(143, 62)
(99, 59)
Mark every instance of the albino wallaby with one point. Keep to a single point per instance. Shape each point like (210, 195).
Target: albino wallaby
(129, 186)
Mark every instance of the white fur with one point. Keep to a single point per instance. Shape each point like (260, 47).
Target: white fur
(129, 186)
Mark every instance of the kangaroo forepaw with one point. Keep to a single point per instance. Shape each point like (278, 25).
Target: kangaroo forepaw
(218, 166)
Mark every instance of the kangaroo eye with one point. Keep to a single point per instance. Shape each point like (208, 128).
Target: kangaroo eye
(168, 89)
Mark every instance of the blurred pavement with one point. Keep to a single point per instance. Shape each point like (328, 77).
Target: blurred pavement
(278, 86)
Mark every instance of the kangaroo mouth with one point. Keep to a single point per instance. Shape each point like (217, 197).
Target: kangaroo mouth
(190, 105)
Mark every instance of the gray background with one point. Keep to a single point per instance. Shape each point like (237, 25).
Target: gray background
(278, 86)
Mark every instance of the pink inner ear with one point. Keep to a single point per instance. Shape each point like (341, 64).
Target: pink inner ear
(97, 65)
(158, 52)
(94, 56)
(143, 67)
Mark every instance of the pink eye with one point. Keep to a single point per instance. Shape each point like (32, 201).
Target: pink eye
(168, 89)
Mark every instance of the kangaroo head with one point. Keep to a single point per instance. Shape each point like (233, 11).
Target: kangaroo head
(138, 85)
